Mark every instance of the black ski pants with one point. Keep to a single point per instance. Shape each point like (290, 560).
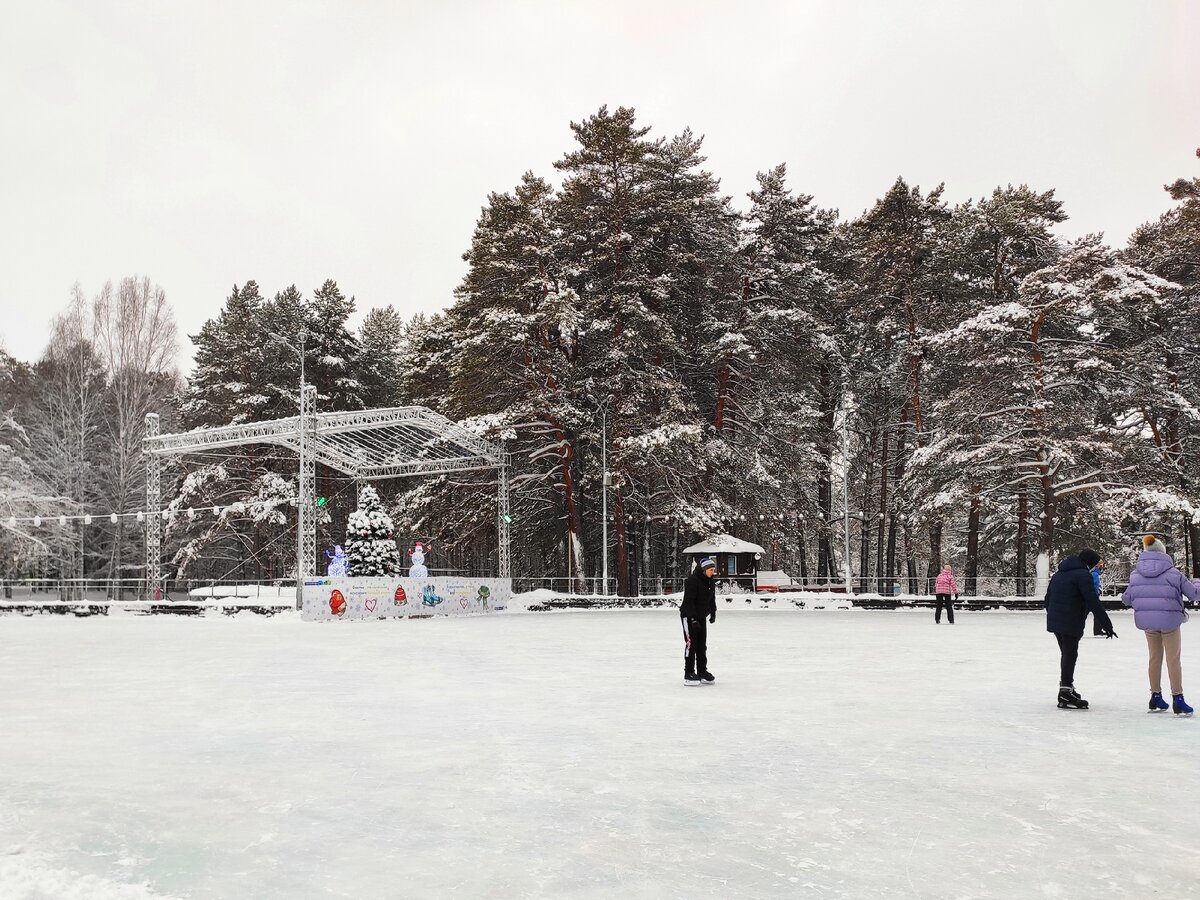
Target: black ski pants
(1069, 646)
(695, 645)
(944, 600)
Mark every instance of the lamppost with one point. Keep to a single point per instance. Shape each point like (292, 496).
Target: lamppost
(302, 497)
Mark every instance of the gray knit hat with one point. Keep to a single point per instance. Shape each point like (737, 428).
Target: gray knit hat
(1150, 542)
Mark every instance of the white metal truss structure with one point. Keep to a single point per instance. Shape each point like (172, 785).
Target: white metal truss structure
(365, 445)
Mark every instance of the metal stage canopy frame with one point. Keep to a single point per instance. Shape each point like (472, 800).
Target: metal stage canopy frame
(367, 445)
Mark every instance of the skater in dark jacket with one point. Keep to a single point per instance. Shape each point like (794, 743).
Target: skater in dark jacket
(699, 601)
(1069, 598)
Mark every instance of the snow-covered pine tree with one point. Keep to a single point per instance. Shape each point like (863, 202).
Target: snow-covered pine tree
(379, 367)
(771, 395)
(629, 255)
(370, 543)
(1043, 385)
(990, 247)
(242, 374)
(517, 327)
(334, 362)
(902, 276)
(1170, 360)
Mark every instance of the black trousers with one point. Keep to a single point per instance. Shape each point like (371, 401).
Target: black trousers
(1069, 645)
(695, 645)
(944, 599)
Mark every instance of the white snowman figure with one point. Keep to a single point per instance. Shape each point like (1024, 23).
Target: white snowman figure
(417, 553)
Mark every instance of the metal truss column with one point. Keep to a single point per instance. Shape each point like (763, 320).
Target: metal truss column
(504, 519)
(153, 518)
(306, 500)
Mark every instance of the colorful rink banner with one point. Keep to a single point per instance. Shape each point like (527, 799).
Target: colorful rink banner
(351, 599)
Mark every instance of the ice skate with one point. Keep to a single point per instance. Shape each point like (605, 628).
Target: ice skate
(1157, 703)
(1179, 705)
(706, 677)
(1068, 698)
(690, 680)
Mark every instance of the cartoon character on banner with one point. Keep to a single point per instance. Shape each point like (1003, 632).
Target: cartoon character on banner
(417, 553)
(337, 604)
(484, 595)
(400, 598)
(339, 565)
(428, 597)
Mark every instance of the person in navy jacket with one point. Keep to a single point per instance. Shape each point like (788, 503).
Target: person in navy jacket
(699, 602)
(1070, 596)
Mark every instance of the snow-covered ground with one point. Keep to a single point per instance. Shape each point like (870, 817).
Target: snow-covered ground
(840, 754)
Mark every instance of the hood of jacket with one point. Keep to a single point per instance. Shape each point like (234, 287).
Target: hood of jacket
(1072, 562)
(1153, 563)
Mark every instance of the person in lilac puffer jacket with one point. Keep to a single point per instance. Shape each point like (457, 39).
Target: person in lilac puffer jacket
(1156, 591)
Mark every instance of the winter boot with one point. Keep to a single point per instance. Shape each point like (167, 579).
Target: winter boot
(690, 680)
(1180, 705)
(1068, 698)
(707, 677)
(1157, 703)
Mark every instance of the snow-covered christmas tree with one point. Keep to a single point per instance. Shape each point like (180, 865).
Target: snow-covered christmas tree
(370, 547)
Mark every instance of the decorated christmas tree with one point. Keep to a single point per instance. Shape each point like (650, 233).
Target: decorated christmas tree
(370, 548)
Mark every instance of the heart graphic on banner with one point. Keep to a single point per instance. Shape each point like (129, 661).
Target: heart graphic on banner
(370, 604)
(464, 602)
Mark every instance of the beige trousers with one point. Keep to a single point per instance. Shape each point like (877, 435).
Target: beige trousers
(1169, 644)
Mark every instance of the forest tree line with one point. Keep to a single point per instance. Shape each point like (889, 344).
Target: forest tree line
(1005, 395)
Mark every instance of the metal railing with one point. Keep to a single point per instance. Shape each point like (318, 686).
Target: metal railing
(95, 590)
(134, 589)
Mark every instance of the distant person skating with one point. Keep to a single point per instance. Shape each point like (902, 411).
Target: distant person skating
(699, 601)
(1156, 591)
(944, 587)
(1069, 597)
(1097, 571)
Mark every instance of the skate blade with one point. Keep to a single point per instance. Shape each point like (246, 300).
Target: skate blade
(692, 683)
(1182, 715)
(1066, 706)
(1155, 712)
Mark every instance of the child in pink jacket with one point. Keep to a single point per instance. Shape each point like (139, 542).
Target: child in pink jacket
(944, 587)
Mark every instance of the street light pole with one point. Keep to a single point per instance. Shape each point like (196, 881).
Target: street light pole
(302, 498)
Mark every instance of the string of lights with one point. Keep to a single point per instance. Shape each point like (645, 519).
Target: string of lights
(167, 515)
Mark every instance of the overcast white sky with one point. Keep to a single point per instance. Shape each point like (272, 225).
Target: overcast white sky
(204, 144)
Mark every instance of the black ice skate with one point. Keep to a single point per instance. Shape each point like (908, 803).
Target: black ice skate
(690, 680)
(706, 677)
(1068, 698)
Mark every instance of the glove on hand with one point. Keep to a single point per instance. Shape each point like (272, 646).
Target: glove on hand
(712, 617)
(956, 598)
(1109, 633)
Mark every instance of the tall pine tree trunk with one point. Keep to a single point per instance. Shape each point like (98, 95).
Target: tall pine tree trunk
(803, 553)
(725, 373)
(935, 556)
(1193, 531)
(864, 533)
(622, 548)
(971, 573)
(1022, 543)
(1046, 525)
(825, 562)
(883, 511)
(893, 513)
(910, 559)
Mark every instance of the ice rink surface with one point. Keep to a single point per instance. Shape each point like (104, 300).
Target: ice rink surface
(840, 754)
